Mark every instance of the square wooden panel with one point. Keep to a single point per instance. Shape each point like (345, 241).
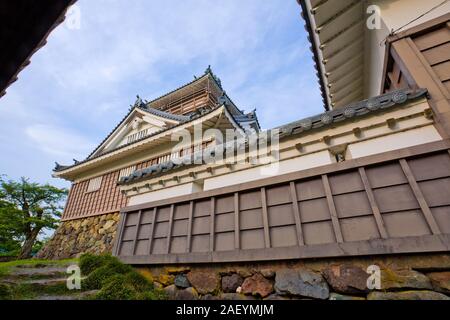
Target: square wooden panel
(159, 246)
(318, 232)
(200, 243)
(181, 211)
(314, 210)
(250, 200)
(395, 198)
(283, 236)
(129, 233)
(132, 219)
(224, 222)
(126, 248)
(202, 208)
(309, 189)
(250, 219)
(442, 216)
(162, 214)
(180, 227)
(200, 225)
(252, 239)
(352, 204)
(278, 195)
(436, 192)
(385, 175)
(225, 204)
(147, 216)
(224, 241)
(141, 247)
(161, 229)
(359, 228)
(144, 231)
(405, 224)
(345, 182)
(281, 215)
(431, 166)
(178, 244)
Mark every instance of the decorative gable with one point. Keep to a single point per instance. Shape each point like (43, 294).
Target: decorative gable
(137, 125)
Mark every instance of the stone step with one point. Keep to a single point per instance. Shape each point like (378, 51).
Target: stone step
(50, 272)
(45, 282)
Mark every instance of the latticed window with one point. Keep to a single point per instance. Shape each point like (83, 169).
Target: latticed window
(94, 184)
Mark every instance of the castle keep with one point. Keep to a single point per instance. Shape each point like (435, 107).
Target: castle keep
(366, 181)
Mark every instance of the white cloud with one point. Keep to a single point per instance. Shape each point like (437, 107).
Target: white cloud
(58, 141)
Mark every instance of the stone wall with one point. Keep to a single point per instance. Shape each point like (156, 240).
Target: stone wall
(94, 234)
(407, 277)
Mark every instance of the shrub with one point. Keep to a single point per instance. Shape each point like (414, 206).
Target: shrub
(89, 262)
(117, 288)
(96, 278)
(139, 282)
(5, 292)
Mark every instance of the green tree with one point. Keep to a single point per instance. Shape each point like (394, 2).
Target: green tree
(26, 209)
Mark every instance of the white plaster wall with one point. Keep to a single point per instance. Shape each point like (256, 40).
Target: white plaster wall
(165, 193)
(394, 141)
(397, 13)
(394, 14)
(286, 166)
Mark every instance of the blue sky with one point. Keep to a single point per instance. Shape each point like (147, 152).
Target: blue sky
(83, 81)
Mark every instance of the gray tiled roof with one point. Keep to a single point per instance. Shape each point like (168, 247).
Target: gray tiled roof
(325, 119)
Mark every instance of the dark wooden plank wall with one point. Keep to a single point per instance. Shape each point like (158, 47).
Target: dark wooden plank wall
(401, 198)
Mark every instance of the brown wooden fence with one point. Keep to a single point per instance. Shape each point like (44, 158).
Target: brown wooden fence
(395, 202)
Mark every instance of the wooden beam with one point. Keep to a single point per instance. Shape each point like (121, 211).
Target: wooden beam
(297, 217)
(332, 208)
(136, 232)
(419, 196)
(373, 204)
(119, 232)
(169, 232)
(152, 230)
(265, 218)
(236, 221)
(212, 224)
(189, 231)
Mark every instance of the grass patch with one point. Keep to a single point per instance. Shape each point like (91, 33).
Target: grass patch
(5, 267)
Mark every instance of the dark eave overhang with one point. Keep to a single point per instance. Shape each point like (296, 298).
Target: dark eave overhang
(315, 52)
(24, 28)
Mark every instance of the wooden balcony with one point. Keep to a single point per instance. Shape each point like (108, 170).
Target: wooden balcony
(393, 202)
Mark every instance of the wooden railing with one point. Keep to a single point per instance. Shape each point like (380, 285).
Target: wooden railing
(395, 202)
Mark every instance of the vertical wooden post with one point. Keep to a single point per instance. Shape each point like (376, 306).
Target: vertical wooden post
(296, 209)
(189, 231)
(373, 203)
(136, 233)
(169, 231)
(265, 218)
(236, 222)
(152, 230)
(332, 208)
(212, 224)
(420, 198)
(119, 232)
